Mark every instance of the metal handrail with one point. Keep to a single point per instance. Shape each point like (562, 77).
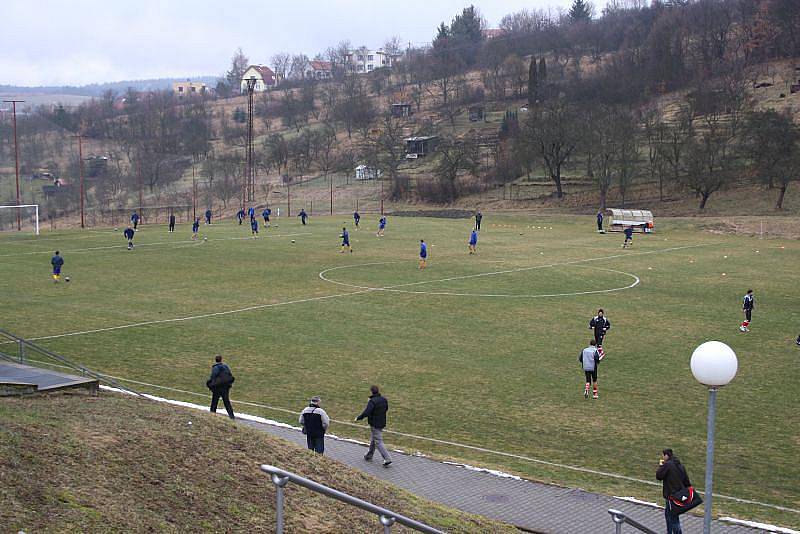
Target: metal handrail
(22, 344)
(619, 518)
(387, 518)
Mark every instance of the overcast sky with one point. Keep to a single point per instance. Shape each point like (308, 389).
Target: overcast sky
(60, 42)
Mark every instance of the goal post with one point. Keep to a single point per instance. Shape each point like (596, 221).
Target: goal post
(19, 212)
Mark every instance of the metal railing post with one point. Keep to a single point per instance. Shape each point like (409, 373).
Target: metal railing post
(280, 482)
(387, 522)
(21, 344)
(619, 518)
(615, 517)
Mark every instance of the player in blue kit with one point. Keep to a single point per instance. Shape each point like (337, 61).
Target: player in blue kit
(240, 215)
(254, 227)
(628, 237)
(356, 218)
(381, 226)
(423, 254)
(129, 233)
(57, 262)
(135, 220)
(303, 216)
(473, 242)
(195, 229)
(266, 213)
(251, 212)
(345, 241)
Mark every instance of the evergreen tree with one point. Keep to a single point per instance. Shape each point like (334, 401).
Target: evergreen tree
(580, 11)
(542, 70)
(533, 82)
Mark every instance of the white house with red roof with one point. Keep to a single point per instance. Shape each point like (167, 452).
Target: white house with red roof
(319, 70)
(263, 76)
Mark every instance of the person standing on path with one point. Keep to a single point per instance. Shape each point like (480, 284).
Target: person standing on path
(478, 218)
(375, 412)
(674, 478)
(315, 423)
(600, 221)
(220, 383)
(590, 360)
(57, 262)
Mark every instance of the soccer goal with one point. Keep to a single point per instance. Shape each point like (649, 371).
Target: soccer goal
(18, 217)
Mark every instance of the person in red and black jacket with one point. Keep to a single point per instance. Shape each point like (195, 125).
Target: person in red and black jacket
(674, 478)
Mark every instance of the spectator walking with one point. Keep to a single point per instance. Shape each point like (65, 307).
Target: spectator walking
(220, 383)
(135, 220)
(590, 360)
(315, 423)
(673, 475)
(375, 412)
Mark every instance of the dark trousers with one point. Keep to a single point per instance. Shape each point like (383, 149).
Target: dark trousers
(135, 224)
(226, 400)
(477, 224)
(598, 337)
(673, 521)
(208, 220)
(316, 444)
(599, 224)
(172, 227)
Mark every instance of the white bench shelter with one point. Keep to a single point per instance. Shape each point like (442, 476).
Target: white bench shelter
(640, 220)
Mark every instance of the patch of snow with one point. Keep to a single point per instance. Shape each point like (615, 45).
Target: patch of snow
(638, 501)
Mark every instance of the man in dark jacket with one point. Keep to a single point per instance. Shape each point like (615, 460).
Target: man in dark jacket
(674, 477)
(220, 383)
(315, 423)
(601, 325)
(375, 412)
(129, 233)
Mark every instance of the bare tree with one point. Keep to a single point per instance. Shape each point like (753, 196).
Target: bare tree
(554, 132)
(454, 157)
(772, 143)
(280, 63)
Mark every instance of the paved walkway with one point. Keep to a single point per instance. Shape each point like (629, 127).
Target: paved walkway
(529, 505)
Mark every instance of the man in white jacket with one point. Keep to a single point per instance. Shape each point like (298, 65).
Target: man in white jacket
(315, 423)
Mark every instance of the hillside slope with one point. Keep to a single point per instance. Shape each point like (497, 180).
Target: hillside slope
(69, 462)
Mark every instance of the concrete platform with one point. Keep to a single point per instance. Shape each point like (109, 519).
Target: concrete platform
(43, 379)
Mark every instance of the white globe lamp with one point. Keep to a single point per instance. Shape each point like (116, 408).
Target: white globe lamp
(714, 364)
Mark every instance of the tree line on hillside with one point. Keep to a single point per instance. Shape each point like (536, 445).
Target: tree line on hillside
(588, 85)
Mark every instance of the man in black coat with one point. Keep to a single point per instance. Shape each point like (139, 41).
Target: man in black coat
(673, 475)
(220, 383)
(375, 412)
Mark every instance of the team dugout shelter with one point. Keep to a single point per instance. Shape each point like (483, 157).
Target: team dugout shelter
(640, 220)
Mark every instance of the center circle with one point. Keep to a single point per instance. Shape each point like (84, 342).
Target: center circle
(405, 288)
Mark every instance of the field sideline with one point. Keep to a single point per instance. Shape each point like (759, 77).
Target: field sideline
(475, 350)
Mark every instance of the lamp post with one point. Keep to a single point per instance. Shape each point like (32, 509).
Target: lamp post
(713, 364)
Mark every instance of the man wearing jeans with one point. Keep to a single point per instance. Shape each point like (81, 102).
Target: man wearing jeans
(315, 423)
(375, 412)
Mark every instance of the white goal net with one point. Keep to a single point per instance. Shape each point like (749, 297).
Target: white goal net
(23, 217)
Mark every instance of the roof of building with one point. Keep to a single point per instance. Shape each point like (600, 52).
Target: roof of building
(265, 72)
(320, 65)
(491, 33)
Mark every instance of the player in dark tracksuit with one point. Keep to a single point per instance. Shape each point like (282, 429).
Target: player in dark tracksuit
(345, 241)
(129, 233)
(266, 213)
(628, 237)
(478, 219)
(195, 228)
(251, 212)
(240, 215)
(601, 325)
(135, 220)
(303, 216)
(356, 218)
(599, 221)
(254, 227)
(172, 223)
(748, 305)
(208, 216)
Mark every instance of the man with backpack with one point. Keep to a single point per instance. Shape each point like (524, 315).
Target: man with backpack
(315, 423)
(220, 383)
(673, 475)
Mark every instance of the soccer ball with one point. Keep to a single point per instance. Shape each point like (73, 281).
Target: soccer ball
(742, 328)
(66, 278)
(292, 240)
(205, 238)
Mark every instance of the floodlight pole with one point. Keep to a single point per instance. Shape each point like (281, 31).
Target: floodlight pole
(16, 154)
(80, 173)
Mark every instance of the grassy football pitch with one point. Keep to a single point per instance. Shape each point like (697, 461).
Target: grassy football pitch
(478, 351)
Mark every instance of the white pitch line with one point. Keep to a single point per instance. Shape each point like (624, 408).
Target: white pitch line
(193, 317)
(460, 445)
(181, 242)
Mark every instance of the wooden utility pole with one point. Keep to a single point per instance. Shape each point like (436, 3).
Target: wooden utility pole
(16, 154)
(80, 173)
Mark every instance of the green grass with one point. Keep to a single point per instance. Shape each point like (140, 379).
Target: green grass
(492, 372)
